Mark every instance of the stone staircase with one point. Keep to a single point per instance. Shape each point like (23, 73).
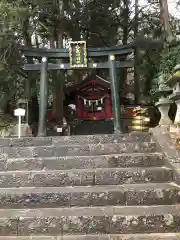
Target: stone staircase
(111, 187)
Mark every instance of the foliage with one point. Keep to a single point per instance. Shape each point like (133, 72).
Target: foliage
(149, 69)
(156, 67)
(101, 23)
(12, 14)
(169, 59)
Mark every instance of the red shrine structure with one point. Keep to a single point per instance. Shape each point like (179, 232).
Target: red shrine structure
(92, 99)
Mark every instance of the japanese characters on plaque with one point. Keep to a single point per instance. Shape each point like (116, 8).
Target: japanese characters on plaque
(78, 54)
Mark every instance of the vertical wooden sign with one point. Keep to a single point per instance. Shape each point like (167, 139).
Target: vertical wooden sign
(78, 54)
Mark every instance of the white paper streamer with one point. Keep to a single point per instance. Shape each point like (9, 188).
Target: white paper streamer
(92, 101)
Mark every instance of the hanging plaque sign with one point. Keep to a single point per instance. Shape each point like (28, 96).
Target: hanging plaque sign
(78, 54)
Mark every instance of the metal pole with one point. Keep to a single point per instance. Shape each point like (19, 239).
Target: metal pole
(115, 94)
(43, 98)
(19, 127)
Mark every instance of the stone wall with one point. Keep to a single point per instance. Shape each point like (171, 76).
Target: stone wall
(169, 144)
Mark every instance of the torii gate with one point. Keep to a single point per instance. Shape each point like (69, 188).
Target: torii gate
(78, 56)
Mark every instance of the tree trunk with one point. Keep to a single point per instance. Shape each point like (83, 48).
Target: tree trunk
(28, 43)
(126, 13)
(164, 14)
(29, 81)
(59, 86)
(59, 89)
(136, 56)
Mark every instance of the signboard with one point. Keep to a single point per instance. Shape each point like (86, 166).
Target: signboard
(19, 112)
(78, 54)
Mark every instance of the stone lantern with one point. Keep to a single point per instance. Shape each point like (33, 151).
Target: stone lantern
(174, 83)
(164, 104)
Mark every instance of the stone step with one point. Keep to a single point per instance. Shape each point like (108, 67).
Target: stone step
(65, 140)
(78, 150)
(90, 220)
(25, 142)
(108, 138)
(84, 196)
(152, 236)
(82, 162)
(84, 177)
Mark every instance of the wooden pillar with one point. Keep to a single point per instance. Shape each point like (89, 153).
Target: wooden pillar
(79, 107)
(108, 107)
(115, 94)
(43, 98)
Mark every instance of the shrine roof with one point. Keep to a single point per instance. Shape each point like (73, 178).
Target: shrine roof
(92, 78)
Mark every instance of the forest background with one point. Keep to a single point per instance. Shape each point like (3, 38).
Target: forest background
(152, 26)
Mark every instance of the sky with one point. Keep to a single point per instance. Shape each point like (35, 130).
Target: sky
(172, 7)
